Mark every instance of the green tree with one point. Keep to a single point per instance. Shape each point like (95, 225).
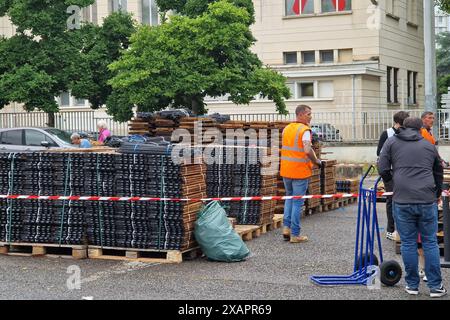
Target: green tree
(443, 62)
(181, 62)
(36, 64)
(194, 8)
(444, 5)
(44, 58)
(99, 47)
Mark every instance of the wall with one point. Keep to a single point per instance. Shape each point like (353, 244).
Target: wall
(366, 153)
(277, 34)
(6, 27)
(402, 46)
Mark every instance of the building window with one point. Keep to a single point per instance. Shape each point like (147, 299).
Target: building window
(305, 90)
(117, 5)
(65, 99)
(326, 56)
(392, 85)
(395, 85)
(336, 5)
(412, 10)
(308, 57)
(86, 14)
(412, 87)
(79, 102)
(290, 57)
(291, 86)
(311, 89)
(298, 7)
(391, 7)
(149, 12)
(94, 15)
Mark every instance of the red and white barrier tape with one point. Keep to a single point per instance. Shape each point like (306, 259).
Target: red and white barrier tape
(132, 199)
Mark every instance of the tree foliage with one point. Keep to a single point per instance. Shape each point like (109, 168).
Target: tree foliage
(443, 62)
(444, 5)
(99, 47)
(194, 8)
(37, 62)
(181, 62)
(44, 58)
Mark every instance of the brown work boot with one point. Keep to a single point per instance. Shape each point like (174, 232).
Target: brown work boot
(299, 239)
(286, 233)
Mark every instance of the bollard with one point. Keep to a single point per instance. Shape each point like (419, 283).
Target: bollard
(446, 213)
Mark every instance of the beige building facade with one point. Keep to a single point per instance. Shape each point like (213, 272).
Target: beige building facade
(341, 56)
(337, 55)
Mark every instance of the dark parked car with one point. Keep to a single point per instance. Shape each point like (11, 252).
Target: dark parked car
(326, 132)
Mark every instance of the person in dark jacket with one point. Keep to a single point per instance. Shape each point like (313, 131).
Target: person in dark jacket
(414, 166)
(399, 117)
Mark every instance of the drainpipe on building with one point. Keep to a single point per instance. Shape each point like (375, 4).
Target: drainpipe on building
(430, 61)
(353, 107)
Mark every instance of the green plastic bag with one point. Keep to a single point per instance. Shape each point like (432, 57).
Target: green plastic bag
(216, 237)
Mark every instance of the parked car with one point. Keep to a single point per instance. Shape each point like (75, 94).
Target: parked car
(33, 139)
(326, 132)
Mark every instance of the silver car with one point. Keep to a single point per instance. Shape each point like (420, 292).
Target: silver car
(33, 139)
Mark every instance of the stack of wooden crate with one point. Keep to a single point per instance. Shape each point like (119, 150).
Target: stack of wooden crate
(280, 125)
(139, 126)
(199, 126)
(312, 205)
(328, 182)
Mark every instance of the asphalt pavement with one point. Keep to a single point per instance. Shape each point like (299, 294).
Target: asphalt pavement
(275, 270)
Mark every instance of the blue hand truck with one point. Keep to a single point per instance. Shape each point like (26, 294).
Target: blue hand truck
(367, 232)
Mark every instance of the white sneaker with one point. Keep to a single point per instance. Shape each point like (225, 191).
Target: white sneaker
(413, 292)
(437, 293)
(390, 236)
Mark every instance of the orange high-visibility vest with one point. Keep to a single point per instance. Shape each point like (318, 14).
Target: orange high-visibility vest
(427, 135)
(295, 163)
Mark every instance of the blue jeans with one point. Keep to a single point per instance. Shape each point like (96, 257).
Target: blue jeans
(293, 208)
(411, 219)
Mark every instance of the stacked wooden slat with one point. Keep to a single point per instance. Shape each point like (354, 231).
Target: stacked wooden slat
(139, 126)
(281, 191)
(194, 187)
(447, 176)
(232, 124)
(199, 126)
(245, 177)
(313, 189)
(328, 180)
(347, 185)
(164, 127)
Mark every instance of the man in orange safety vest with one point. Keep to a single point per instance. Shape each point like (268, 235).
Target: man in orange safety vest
(297, 161)
(427, 130)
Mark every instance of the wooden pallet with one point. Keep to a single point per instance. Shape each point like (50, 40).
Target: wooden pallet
(345, 202)
(44, 249)
(142, 255)
(329, 206)
(248, 232)
(313, 210)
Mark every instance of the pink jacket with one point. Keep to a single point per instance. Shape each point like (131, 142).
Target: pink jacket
(104, 133)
